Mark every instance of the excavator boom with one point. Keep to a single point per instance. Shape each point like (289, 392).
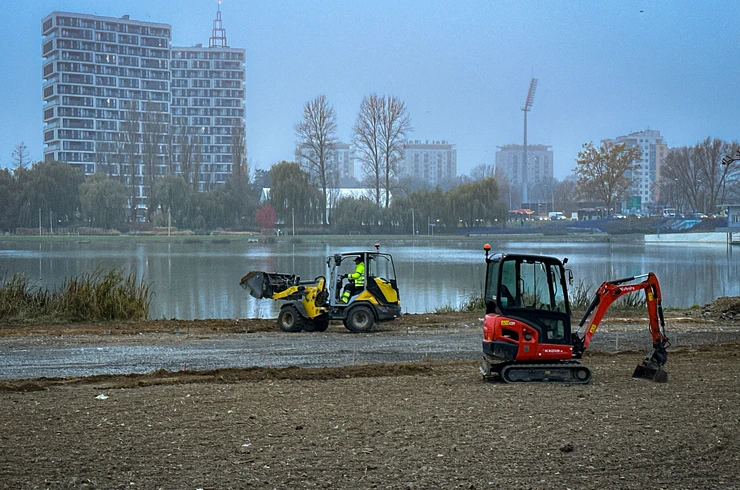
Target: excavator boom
(609, 291)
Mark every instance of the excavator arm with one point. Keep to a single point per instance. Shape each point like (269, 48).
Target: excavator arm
(608, 293)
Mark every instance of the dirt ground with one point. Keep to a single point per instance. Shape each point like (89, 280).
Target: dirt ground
(414, 425)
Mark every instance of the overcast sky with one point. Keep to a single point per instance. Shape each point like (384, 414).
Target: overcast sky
(605, 68)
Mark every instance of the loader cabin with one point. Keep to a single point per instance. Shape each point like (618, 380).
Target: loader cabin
(532, 289)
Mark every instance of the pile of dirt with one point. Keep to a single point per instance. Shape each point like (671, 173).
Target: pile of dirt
(723, 308)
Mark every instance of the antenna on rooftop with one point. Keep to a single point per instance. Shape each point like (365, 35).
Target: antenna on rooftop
(526, 109)
(218, 35)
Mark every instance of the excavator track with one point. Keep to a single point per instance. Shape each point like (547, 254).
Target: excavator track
(561, 372)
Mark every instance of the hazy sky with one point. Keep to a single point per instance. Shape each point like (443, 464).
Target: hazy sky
(605, 68)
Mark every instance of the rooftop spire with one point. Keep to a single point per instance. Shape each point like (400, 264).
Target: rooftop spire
(218, 35)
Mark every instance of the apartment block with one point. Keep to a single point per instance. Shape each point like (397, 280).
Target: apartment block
(533, 185)
(119, 99)
(433, 162)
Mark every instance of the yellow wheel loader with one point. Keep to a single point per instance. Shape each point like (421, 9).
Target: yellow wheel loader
(311, 305)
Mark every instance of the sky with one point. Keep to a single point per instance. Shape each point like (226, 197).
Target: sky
(604, 68)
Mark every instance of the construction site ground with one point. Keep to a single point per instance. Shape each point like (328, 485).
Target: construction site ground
(425, 424)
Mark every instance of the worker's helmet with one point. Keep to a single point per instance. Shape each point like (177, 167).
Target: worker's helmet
(358, 260)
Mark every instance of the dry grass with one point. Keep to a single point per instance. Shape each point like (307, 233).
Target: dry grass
(102, 295)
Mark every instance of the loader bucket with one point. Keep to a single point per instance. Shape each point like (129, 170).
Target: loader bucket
(254, 283)
(651, 372)
(261, 284)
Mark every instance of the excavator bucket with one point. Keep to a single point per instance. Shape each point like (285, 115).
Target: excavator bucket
(651, 372)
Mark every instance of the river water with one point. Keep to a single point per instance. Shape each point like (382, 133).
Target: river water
(200, 279)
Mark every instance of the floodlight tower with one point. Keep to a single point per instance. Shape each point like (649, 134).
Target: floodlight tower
(526, 108)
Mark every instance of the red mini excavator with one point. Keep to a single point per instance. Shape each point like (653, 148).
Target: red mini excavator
(527, 330)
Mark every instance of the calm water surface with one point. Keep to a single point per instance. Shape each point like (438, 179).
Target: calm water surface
(201, 280)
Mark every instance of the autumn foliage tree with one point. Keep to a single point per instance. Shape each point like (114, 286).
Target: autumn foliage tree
(604, 173)
(266, 217)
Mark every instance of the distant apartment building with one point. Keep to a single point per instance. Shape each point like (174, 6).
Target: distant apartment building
(642, 195)
(119, 99)
(340, 164)
(533, 185)
(434, 163)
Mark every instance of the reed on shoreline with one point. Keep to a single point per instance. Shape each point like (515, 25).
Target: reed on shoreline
(101, 295)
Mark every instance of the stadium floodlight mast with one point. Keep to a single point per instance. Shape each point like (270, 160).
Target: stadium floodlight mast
(526, 109)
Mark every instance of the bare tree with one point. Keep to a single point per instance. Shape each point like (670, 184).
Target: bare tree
(602, 172)
(395, 125)
(189, 142)
(317, 144)
(367, 140)
(130, 128)
(239, 165)
(168, 148)
(482, 171)
(695, 175)
(20, 156)
(153, 129)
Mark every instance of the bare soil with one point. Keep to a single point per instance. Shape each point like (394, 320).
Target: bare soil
(409, 425)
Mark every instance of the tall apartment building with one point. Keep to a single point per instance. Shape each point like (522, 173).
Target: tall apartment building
(341, 164)
(109, 93)
(643, 193)
(534, 185)
(432, 162)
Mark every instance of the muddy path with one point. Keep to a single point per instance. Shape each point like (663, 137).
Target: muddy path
(49, 351)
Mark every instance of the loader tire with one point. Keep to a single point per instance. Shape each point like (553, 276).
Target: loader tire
(360, 319)
(316, 325)
(289, 320)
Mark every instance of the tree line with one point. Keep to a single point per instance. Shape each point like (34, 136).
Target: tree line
(304, 193)
(57, 195)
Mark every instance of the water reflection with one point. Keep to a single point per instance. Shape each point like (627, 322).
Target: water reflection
(201, 280)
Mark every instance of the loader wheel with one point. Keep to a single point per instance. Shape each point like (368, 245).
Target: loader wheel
(359, 320)
(289, 320)
(316, 325)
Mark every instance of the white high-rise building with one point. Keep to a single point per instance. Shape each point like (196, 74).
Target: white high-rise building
(642, 195)
(208, 108)
(109, 93)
